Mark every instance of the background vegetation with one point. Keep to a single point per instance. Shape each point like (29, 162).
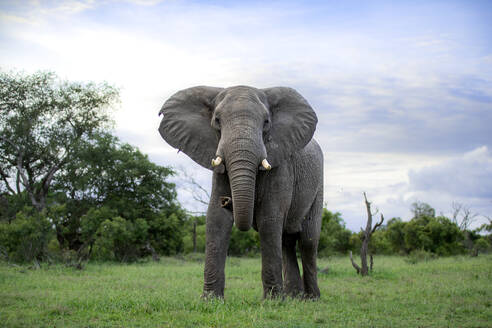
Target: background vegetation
(71, 191)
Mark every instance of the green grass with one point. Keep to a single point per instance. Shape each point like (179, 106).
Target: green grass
(446, 292)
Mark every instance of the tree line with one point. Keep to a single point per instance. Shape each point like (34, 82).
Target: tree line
(72, 191)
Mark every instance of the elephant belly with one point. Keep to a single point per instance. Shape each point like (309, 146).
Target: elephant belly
(308, 173)
(288, 192)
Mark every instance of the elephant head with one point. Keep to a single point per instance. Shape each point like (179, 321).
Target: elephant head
(240, 129)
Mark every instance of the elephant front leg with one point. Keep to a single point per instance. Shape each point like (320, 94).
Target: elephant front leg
(217, 241)
(217, 235)
(270, 230)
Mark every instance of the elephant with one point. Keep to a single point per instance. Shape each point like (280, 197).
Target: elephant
(267, 174)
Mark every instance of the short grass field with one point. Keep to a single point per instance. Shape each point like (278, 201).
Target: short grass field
(445, 292)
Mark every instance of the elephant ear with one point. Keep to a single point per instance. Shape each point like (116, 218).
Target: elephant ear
(293, 123)
(186, 123)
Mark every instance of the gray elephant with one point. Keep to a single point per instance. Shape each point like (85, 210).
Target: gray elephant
(268, 174)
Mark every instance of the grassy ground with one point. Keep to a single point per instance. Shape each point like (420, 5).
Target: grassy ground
(447, 292)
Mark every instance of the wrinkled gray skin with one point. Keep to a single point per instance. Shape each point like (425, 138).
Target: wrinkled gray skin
(244, 125)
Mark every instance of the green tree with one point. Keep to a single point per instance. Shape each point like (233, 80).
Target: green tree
(121, 239)
(107, 171)
(26, 238)
(334, 237)
(433, 234)
(395, 234)
(380, 243)
(420, 209)
(107, 179)
(244, 243)
(195, 229)
(42, 121)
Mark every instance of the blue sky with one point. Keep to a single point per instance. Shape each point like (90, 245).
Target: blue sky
(402, 89)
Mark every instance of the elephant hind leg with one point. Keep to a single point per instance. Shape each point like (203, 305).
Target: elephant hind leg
(292, 278)
(308, 244)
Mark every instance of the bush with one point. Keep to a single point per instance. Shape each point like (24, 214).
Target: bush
(26, 238)
(244, 242)
(379, 243)
(200, 240)
(120, 239)
(419, 256)
(481, 245)
(166, 232)
(433, 234)
(334, 237)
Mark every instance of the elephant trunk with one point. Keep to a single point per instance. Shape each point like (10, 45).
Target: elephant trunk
(242, 175)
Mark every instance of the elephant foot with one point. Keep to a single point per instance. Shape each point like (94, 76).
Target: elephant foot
(312, 295)
(294, 293)
(209, 295)
(274, 292)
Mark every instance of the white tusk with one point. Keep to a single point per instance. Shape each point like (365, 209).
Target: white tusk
(217, 161)
(266, 165)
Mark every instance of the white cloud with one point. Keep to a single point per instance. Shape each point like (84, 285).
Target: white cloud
(468, 176)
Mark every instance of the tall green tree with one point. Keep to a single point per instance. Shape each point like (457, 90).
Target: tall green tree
(42, 121)
(123, 183)
(421, 209)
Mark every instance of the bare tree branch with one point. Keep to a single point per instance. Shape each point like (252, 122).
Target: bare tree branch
(378, 224)
(355, 265)
(456, 211)
(198, 193)
(463, 216)
(26, 182)
(9, 142)
(5, 179)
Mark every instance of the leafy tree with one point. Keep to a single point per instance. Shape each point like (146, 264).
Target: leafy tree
(380, 243)
(121, 239)
(334, 237)
(433, 234)
(114, 175)
(10, 205)
(395, 234)
(166, 232)
(420, 209)
(481, 245)
(26, 238)
(244, 243)
(42, 121)
(194, 226)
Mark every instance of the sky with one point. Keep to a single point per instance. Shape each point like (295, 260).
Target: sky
(402, 89)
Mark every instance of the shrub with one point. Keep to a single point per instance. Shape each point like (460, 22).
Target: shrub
(166, 232)
(120, 239)
(200, 240)
(419, 256)
(26, 238)
(244, 243)
(481, 245)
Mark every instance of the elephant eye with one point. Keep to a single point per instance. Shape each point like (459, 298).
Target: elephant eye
(266, 125)
(216, 123)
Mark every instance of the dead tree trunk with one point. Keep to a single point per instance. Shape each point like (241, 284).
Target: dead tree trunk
(366, 237)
